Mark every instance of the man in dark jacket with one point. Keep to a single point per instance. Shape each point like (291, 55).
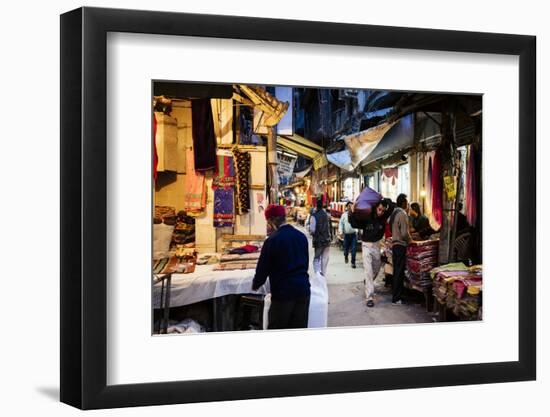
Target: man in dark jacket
(284, 259)
(319, 227)
(370, 247)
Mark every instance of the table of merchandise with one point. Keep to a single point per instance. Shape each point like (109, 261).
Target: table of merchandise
(205, 284)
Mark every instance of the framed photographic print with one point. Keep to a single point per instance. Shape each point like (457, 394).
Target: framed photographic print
(261, 208)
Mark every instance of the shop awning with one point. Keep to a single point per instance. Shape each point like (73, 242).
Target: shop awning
(304, 147)
(399, 137)
(361, 144)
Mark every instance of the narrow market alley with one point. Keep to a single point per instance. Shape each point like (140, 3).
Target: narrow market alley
(346, 293)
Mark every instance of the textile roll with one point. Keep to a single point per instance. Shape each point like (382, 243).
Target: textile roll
(242, 169)
(204, 138)
(224, 213)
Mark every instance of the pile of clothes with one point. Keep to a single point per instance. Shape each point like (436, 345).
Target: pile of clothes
(421, 281)
(459, 288)
(422, 256)
(243, 257)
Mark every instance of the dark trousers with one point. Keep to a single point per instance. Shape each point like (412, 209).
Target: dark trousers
(350, 244)
(399, 259)
(289, 314)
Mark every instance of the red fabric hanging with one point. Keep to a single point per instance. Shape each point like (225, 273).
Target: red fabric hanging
(391, 173)
(155, 155)
(471, 189)
(437, 189)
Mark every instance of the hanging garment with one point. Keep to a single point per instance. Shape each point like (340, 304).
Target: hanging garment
(224, 213)
(471, 189)
(224, 175)
(437, 189)
(204, 138)
(155, 154)
(195, 188)
(242, 170)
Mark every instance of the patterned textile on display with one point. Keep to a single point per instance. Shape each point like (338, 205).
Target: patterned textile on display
(242, 169)
(204, 137)
(184, 232)
(194, 189)
(235, 266)
(224, 213)
(224, 175)
(164, 214)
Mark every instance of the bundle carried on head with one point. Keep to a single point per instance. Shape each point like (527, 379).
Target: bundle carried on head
(364, 203)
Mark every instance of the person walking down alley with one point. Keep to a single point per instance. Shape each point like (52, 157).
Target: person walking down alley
(319, 227)
(401, 237)
(284, 259)
(372, 234)
(349, 235)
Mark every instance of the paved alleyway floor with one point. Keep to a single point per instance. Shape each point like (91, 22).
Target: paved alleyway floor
(347, 303)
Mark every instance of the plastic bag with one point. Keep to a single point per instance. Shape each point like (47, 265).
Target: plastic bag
(318, 303)
(186, 326)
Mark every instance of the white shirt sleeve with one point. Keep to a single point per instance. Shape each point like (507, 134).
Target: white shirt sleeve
(312, 225)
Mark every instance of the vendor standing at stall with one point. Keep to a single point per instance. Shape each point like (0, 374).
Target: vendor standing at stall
(401, 237)
(284, 259)
(319, 227)
(419, 222)
(373, 232)
(349, 235)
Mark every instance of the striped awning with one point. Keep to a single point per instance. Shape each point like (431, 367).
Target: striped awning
(304, 147)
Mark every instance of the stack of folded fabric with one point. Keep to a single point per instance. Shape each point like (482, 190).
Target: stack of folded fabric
(466, 290)
(421, 258)
(422, 255)
(420, 281)
(443, 280)
(244, 257)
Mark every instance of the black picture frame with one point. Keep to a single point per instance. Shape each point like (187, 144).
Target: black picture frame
(84, 207)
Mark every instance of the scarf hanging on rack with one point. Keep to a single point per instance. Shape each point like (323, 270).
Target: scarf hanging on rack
(242, 170)
(224, 213)
(194, 188)
(224, 175)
